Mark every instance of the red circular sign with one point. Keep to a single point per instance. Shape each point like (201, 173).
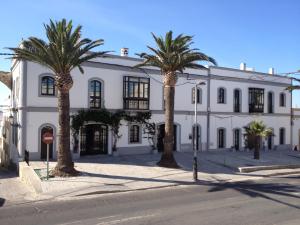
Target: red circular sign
(48, 138)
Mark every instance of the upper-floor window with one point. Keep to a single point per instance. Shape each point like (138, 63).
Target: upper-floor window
(95, 87)
(199, 96)
(221, 95)
(134, 134)
(237, 100)
(136, 92)
(281, 136)
(282, 100)
(221, 138)
(270, 102)
(256, 100)
(47, 86)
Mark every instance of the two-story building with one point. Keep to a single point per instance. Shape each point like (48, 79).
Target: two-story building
(228, 100)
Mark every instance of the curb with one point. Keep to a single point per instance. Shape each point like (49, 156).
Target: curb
(29, 177)
(274, 167)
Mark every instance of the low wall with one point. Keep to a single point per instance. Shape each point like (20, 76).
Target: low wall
(29, 177)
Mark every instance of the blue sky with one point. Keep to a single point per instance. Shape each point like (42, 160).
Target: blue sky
(262, 33)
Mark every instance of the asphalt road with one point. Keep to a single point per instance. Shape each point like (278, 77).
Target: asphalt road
(269, 201)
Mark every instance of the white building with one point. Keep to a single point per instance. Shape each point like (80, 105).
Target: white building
(229, 100)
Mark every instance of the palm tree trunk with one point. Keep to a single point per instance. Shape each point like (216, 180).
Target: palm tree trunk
(256, 148)
(65, 165)
(167, 158)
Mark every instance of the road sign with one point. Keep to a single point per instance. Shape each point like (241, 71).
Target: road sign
(48, 138)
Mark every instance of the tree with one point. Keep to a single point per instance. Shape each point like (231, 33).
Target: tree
(172, 56)
(255, 131)
(63, 51)
(112, 119)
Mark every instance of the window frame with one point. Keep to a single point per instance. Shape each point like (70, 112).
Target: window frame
(101, 93)
(223, 139)
(282, 99)
(199, 95)
(282, 136)
(239, 101)
(48, 77)
(270, 106)
(254, 94)
(221, 100)
(137, 138)
(130, 83)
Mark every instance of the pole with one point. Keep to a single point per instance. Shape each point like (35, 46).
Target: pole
(47, 161)
(195, 166)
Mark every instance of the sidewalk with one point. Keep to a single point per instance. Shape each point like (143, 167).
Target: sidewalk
(106, 174)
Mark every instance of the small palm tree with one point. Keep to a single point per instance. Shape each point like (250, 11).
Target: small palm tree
(62, 52)
(172, 56)
(255, 131)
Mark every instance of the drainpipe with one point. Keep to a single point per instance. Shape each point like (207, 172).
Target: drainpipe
(292, 117)
(208, 112)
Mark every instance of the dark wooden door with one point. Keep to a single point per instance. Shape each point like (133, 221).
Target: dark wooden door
(94, 139)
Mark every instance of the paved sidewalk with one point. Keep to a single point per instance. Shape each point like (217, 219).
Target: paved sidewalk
(106, 174)
(12, 190)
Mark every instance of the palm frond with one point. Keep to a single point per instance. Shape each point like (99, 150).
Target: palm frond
(173, 54)
(64, 49)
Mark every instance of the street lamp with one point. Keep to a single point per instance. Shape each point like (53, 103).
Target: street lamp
(195, 135)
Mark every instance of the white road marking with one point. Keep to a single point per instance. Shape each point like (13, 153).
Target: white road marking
(82, 221)
(126, 219)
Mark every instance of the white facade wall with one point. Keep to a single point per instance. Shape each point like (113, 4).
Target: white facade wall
(111, 70)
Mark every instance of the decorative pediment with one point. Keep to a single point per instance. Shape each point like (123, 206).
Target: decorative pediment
(5, 78)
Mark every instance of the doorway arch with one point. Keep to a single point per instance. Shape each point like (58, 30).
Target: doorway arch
(42, 146)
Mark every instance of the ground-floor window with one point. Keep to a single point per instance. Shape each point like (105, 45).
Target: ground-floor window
(134, 134)
(221, 138)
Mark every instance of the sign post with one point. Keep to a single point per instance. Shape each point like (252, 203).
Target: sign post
(48, 139)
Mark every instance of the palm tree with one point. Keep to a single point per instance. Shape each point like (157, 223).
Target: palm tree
(255, 131)
(64, 50)
(172, 56)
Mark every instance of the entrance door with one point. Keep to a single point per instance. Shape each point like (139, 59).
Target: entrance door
(236, 139)
(94, 139)
(161, 136)
(44, 146)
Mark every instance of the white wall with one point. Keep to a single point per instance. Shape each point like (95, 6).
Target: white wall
(222, 114)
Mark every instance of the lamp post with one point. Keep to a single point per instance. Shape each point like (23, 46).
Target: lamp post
(195, 134)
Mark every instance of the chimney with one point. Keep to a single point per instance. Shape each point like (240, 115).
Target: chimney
(243, 66)
(271, 71)
(124, 52)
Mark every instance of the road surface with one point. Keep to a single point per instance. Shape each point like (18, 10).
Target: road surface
(266, 202)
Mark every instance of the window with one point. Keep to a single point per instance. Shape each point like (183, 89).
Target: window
(47, 86)
(256, 100)
(281, 136)
(95, 94)
(237, 100)
(221, 95)
(134, 134)
(221, 138)
(282, 100)
(136, 92)
(199, 95)
(270, 103)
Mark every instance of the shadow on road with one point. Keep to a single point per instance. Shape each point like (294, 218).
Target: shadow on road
(261, 190)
